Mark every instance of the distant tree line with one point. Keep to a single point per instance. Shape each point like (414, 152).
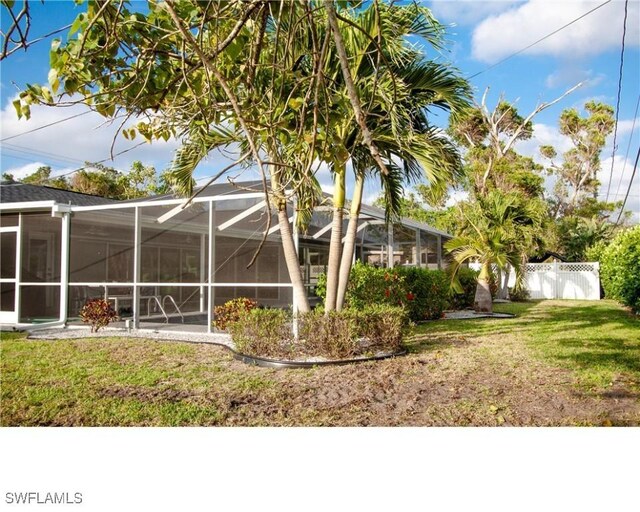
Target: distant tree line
(100, 180)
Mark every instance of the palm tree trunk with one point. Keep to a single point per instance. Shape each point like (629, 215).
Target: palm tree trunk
(482, 302)
(335, 245)
(350, 241)
(503, 283)
(291, 258)
(504, 286)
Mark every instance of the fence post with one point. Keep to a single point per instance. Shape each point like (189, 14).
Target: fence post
(555, 279)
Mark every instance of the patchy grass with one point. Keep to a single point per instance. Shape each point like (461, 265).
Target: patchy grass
(557, 363)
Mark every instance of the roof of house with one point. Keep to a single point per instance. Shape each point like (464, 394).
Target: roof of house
(23, 192)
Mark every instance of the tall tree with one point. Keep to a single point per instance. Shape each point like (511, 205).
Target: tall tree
(396, 88)
(259, 75)
(581, 219)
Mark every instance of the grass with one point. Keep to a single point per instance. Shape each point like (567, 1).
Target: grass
(598, 341)
(557, 363)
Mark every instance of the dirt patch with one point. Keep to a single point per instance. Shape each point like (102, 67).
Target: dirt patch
(145, 394)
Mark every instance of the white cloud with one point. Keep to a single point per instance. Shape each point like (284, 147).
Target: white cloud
(500, 35)
(570, 73)
(69, 144)
(626, 125)
(468, 12)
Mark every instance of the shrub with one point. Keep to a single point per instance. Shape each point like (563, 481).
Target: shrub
(519, 294)
(98, 313)
(421, 291)
(384, 327)
(263, 333)
(373, 285)
(231, 310)
(468, 279)
(338, 335)
(620, 268)
(334, 335)
(426, 295)
(351, 332)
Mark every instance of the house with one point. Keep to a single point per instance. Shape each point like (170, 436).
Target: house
(60, 248)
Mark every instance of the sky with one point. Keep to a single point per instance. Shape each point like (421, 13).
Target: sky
(480, 35)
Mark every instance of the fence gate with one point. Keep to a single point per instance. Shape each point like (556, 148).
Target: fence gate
(563, 280)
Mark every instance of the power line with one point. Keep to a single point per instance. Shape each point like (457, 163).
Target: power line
(626, 156)
(46, 125)
(538, 41)
(633, 175)
(40, 154)
(615, 131)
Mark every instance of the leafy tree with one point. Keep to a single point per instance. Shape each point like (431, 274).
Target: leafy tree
(490, 135)
(256, 75)
(576, 175)
(42, 176)
(581, 220)
(415, 206)
(399, 87)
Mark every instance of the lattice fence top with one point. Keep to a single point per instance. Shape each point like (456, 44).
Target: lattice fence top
(577, 267)
(561, 267)
(538, 267)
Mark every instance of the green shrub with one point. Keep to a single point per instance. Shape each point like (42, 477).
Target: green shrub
(468, 279)
(230, 311)
(426, 292)
(423, 292)
(263, 333)
(519, 294)
(98, 313)
(383, 326)
(620, 268)
(373, 285)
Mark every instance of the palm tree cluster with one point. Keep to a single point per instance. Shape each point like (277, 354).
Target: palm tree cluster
(498, 230)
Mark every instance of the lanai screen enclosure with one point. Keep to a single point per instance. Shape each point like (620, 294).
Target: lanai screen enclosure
(57, 253)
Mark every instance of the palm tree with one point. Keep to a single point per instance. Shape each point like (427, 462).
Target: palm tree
(398, 88)
(498, 229)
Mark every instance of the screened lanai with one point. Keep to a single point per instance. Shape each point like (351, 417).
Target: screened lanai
(166, 267)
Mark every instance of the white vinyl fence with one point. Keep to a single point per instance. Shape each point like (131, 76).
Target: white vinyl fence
(563, 280)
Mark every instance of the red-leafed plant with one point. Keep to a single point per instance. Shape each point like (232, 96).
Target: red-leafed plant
(231, 311)
(98, 313)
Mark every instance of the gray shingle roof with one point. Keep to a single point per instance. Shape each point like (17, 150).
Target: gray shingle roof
(22, 192)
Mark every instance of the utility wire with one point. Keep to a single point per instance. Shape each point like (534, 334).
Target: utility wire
(633, 175)
(626, 156)
(40, 154)
(615, 131)
(46, 125)
(538, 41)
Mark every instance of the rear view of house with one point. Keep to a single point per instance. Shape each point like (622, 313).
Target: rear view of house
(61, 248)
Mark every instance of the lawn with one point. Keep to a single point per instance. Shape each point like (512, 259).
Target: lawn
(556, 363)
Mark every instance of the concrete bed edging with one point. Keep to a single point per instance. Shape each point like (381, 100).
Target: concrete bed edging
(246, 358)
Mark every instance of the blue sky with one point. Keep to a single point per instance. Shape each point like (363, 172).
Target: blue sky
(480, 34)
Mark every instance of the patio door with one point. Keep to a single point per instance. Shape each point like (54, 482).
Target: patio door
(9, 262)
